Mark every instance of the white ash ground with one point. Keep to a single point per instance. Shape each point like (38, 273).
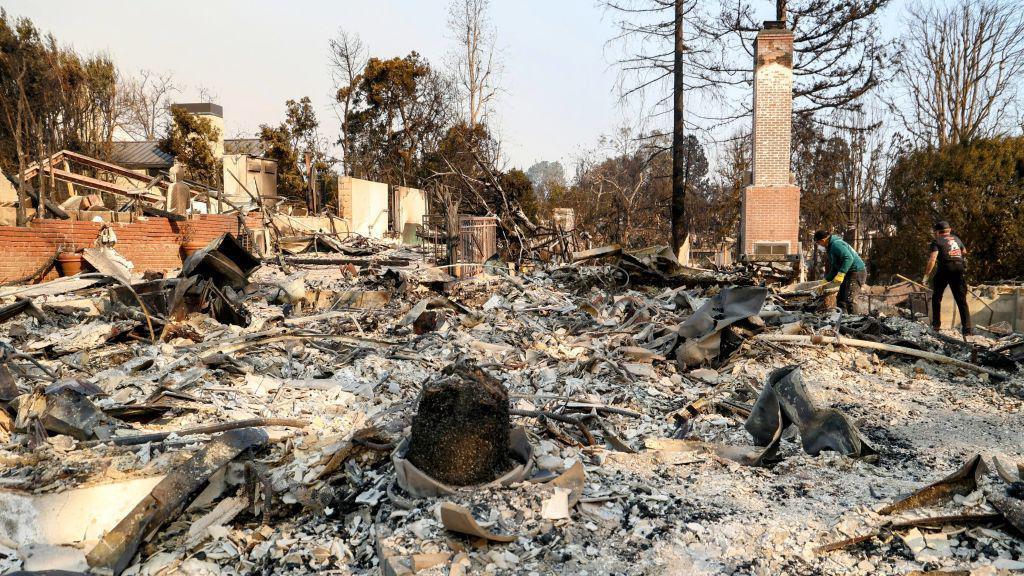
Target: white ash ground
(645, 513)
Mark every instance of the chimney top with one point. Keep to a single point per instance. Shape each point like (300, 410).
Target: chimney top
(202, 108)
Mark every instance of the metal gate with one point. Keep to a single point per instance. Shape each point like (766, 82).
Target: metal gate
(478, 241)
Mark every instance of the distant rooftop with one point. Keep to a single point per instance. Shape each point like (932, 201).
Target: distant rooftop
(144, 154)
(147, 153)
(201, 108)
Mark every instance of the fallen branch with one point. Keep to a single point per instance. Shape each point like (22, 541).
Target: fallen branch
(579, 422)
(272, 338)
(883, 347)
(545, 414)
(832, 547)
(20, 356)
(212, 429)
(374, 445)
(559, 435)
(603, 408)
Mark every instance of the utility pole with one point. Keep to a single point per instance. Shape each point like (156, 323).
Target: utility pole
(679, 228)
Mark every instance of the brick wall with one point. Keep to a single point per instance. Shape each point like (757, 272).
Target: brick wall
(153, 244)
(770, 214)
(345, 197)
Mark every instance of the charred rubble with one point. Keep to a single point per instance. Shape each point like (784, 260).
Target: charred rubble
(613, 412)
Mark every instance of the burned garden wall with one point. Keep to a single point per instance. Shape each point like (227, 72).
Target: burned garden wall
(152, 244)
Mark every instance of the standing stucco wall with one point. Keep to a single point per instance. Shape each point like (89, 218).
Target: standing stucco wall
(410, 207)
(259, 176)
(365, 205)
(8, 195)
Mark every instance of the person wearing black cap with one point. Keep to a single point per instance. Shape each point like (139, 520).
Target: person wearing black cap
(845, 268)
(948, 257)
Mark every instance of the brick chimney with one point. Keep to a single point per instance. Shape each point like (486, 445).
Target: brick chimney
(769, 226)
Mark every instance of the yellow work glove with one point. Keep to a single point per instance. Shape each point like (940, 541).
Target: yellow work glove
(839, 278)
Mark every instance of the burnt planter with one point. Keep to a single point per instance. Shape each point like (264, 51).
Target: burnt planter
(461, 433)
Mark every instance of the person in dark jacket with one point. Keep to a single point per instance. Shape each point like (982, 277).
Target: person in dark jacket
(948, 257)
(845, 268)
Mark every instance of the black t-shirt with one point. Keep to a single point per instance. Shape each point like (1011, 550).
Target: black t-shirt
(950, 248)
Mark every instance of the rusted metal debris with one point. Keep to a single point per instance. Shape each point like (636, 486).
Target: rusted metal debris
(701, 333)
(963, 481)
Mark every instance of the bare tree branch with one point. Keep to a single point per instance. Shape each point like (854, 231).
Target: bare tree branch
(960, 75)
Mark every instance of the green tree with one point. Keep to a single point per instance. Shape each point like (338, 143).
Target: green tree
(399, 110)
(547, 177)
(191, 139)
(50, 99)
(297, 147)
(519, 189)
(277, 145)
(453, 162)
(978, 187)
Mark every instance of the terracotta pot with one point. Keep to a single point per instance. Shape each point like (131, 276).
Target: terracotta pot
(69, 263)
(190, 248)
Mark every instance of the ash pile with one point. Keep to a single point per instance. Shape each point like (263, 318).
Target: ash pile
(614, 413)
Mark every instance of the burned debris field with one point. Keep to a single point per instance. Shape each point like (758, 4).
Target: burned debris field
(625, 288)
(544, 422)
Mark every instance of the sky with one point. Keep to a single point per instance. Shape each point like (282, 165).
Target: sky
(558, 85)
(559, 82)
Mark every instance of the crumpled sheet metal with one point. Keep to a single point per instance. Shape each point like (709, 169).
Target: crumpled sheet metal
(784, 401)
(417, 484)
(175, 298)
(963, 482)
(1008, 498)
(459, 519)
(224, 261)
(1010, 507)
(62, 410)
(702, 331)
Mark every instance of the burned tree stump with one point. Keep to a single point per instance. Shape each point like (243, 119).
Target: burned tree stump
(461, 427)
